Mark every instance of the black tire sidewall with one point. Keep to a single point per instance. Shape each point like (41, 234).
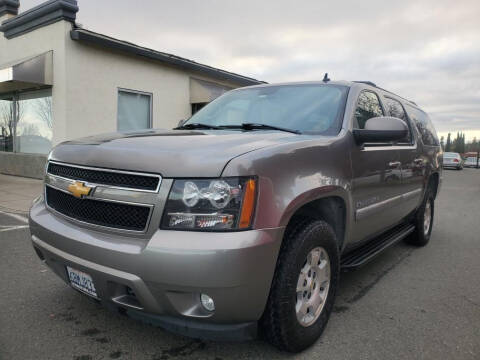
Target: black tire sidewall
(316, 234)
(419, 238)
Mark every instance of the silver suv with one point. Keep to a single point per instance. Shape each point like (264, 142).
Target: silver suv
(239, 221)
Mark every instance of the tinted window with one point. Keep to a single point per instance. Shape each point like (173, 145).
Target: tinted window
(424, 126)
(368, 106)
(306, 108)
(394, 108)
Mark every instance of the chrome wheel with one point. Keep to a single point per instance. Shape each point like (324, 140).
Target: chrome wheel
(427, 217)
(312, 286)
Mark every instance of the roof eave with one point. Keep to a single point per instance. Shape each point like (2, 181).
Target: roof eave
(89, 37)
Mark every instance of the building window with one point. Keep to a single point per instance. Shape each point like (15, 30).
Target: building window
(134, 110)
(197, 106)
(26, 122)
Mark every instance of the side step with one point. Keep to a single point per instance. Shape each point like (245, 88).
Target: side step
(367, 252)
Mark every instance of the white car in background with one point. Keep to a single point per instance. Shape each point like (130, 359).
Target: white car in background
(452, 160)
(470, 162)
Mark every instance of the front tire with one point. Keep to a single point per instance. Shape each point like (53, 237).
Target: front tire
(423, 220)
(304, 286)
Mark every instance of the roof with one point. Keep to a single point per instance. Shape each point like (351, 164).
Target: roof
(342, 83)
(90, 37)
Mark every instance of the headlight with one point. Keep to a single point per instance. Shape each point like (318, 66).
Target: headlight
(210, 204)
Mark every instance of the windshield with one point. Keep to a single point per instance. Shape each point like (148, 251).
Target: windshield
(311, 108)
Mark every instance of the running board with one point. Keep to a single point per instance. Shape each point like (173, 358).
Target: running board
(367, 252)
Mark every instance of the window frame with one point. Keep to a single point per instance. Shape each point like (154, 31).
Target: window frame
(139, 92)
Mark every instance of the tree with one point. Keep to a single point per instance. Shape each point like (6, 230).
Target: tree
(442, 142)
(43, 108)
(448, 147)
(459, 143)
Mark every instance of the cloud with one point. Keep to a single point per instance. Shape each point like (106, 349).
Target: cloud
(426, 51)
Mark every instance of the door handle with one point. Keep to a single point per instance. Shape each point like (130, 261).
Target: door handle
(394, 164)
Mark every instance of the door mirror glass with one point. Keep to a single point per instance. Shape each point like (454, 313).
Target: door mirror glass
(382, 129)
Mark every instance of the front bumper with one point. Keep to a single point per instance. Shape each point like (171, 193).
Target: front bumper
(160, 279)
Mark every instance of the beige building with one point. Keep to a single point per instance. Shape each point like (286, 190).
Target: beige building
(59, 82)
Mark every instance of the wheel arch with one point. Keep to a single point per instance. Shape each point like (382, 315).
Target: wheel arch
(331, 206)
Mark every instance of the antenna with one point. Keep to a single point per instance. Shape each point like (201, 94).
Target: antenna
(325, 78)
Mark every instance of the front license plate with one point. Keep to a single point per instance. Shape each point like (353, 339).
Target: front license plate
(81, 281)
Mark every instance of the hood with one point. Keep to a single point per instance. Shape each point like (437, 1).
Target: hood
(170, 153)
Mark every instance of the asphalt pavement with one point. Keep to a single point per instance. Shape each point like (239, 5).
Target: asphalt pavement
(409, 303)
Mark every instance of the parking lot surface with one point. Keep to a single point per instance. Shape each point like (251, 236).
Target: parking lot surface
(409, 303)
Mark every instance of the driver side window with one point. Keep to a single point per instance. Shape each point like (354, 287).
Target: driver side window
(368, 106)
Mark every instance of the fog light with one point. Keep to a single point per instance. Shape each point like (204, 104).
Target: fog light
(207, 302)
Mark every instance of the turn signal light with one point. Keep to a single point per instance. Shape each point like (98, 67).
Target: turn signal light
(248, 205)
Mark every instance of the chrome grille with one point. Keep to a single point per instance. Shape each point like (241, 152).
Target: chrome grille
(113, 178)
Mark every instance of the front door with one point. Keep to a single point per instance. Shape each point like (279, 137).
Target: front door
(377, 179)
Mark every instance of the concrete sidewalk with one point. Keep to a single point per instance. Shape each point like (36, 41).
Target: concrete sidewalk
(17, 193)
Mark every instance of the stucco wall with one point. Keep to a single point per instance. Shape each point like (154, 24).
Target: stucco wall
(52, 37)
(94, 76)
(92, 89)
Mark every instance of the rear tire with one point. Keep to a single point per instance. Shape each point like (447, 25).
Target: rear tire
(423, 220)
(295, 317)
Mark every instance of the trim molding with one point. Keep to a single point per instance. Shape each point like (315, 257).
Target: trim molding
(9, 7)
(379, 206)
(40, 16)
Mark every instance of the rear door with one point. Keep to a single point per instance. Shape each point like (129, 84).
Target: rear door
(411, 159)
(376, 183)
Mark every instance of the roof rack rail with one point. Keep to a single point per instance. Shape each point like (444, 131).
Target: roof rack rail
(366, 82)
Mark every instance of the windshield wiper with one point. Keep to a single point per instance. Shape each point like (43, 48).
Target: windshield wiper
(255, 126)
(197, 126)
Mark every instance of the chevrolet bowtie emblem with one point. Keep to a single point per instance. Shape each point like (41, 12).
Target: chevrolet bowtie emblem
(78, 189)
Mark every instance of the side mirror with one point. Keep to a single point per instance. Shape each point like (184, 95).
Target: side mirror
(381, 129)
(181, 122)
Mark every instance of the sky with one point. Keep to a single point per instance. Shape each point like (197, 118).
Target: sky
(427, 51)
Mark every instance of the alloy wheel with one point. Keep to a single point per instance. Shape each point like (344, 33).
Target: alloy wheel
(312, 286)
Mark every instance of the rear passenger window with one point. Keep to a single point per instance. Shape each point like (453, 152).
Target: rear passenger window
(368, 106)
(394, 108)
(424, 125)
